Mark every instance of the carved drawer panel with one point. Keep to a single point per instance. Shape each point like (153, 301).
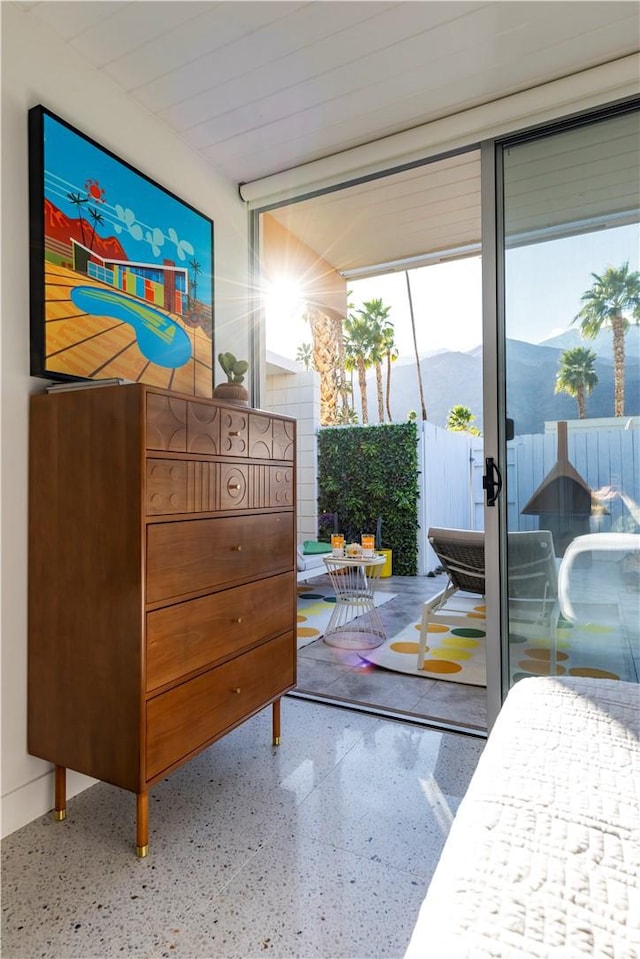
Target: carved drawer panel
(187, 717)
(203, 428)
(196, 555)
(167, 486)
(166, 423)
(191, 635)
(234, 487)
(281, 492)
(182, 486)
(270, 486)
(234, 432)
(270, 439)
(179, 486)
(283, 440)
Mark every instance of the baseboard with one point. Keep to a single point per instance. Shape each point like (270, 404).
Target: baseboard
(26, 803)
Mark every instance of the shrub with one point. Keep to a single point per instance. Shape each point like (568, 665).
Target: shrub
(370, 473)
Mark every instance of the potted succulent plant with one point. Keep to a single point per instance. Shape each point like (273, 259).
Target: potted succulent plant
(232, 390)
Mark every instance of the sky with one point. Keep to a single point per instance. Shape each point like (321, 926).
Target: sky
(544, 283)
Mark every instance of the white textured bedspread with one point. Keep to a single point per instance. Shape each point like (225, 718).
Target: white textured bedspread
(543, 857)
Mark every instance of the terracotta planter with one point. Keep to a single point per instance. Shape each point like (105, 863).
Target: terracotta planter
(232, 393)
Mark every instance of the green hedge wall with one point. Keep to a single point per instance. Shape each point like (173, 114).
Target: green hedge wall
(367, 472)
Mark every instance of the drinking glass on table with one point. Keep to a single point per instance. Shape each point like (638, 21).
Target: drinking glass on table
(337, 544)
(367, 541)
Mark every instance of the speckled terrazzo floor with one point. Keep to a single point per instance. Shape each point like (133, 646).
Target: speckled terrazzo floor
(323, 847)
(340, 674)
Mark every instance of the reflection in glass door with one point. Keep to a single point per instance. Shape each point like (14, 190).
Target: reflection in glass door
(572, 365)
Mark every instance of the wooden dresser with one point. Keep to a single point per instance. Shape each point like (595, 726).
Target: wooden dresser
(162, 587)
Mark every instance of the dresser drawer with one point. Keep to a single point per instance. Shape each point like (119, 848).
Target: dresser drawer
(192, 635)
(196, 486)
(196, 555)
(188, 717)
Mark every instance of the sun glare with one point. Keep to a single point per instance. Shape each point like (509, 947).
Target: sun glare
(283, 301)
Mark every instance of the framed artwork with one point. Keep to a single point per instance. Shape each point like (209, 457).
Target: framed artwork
(121, 270)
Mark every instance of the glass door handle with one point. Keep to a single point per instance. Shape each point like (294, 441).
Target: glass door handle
(492, 481)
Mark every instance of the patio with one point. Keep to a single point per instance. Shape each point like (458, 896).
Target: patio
(342, 676)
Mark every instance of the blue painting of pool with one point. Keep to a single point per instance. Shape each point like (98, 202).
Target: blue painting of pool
(159, 338)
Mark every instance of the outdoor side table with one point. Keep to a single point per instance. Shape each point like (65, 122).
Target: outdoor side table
(355, 622)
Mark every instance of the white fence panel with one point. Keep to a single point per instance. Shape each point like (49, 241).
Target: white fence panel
(446, 483)
(477, 492)
(607, 460)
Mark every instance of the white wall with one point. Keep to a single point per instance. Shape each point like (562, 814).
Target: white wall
(297, 394)
(37, 68)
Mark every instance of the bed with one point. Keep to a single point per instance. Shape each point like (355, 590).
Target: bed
(543, 857)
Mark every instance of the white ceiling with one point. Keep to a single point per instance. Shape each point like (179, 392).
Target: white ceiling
(260, 87)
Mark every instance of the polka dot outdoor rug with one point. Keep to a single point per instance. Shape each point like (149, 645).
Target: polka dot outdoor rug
(456, 653)
(599, 650)
(315, 605)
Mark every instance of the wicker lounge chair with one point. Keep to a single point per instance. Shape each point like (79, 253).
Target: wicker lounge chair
(461, 555)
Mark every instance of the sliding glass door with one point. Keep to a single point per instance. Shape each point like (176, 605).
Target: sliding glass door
(568, 242)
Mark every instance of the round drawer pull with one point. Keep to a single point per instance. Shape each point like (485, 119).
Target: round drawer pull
(234, 432)
(237, 690)
(237, 549)
(233, 486)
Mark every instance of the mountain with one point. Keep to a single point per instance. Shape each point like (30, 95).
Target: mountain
(602, 346)
(452, 378)
(59, 226)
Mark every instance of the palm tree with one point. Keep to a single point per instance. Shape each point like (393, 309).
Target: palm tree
(576, 375)
(304, 355)
(325, 324)
(460, 420)
(340, 378)
(358, 354)
(391, 354)
(376, 316)
(613, 302)
(415, 348)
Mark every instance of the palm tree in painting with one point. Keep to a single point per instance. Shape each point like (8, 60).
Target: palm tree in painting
(76, 200)
(423, 408)
(195, 266)
(97, 219)
(577, 376)
(613, 302)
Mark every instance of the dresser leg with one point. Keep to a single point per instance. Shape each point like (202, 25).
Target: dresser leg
(276, 723)
(60, 793)
(142, 824)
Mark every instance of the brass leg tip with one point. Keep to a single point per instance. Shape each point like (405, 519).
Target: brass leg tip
(59, 814)
(141, 851)
(276, 740)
